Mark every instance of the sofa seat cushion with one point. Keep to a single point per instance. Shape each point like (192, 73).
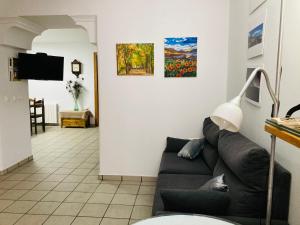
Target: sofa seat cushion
(176, 181)
(171, 163)
(195, 201)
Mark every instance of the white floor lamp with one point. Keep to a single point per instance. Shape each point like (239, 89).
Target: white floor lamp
(229, 116)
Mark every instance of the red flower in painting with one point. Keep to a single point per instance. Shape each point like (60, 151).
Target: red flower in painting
(171, 67)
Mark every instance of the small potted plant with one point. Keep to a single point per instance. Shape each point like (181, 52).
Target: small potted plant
(75, 89)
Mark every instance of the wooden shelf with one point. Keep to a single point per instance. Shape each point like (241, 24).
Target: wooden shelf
(283, 135)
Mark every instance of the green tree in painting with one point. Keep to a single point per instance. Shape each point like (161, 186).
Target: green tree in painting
(135, 59)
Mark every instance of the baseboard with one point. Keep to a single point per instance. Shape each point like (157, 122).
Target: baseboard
(52, 124)
(127, 178)
(16, 165)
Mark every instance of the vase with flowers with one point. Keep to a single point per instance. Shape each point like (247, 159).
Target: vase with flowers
(75, 89)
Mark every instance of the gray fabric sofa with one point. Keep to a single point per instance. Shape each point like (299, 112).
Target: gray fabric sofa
(245, 165)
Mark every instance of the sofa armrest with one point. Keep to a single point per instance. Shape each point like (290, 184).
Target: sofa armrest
(175, 144)
(195, 201)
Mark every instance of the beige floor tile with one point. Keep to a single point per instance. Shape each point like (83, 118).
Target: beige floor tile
(26, 185)
(32, 220)
(71, 165)
(13, 194)
(63, 171)
(96, 171)
(59, 220)
(113, 221)
(132, 221)
(47, 169)
(74, 178)
(113, 182)
(5, 203)
(68, 209)
(81, 172)
(27, 169)
(20, 207)
(6, 184)
(45, 186)
(130, 182)
(44, 208)
(3, 177)
(9, 218)
(86, 188)
(146, 200)
(93, 210)
(66, 187)
(86, 221)
(147, 190)
(34, 195)
(69, 156)
(148, 183)
(141, 212)
(128, 189)
(107, 188)
(123, 199)
(37, 177)
(118, 211)
(91, 180)
(56, 196)
(78, 197)
(18, 176)
(56, 177)
(87, 165)
(104, 198)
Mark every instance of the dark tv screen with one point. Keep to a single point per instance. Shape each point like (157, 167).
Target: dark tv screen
(40, 66)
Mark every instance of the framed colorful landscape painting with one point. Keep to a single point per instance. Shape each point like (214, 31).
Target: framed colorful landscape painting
(256, 36)
(181, 57)
(135, 59)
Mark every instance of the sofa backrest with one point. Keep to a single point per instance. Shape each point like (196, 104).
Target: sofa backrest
(248, 161)
(210, 152)
(211, 132)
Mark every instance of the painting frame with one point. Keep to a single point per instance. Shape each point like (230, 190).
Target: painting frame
(135, 59)
(180, 57)
(13, 69)
(255, 4)
(253, 92)
(256, 36)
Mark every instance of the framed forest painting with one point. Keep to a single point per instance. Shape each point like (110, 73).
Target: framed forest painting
(135, 59)
(181, 57)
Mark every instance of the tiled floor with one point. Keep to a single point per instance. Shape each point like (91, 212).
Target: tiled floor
(61, 187)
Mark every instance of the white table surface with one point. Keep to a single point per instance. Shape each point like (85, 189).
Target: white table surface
(183, 220)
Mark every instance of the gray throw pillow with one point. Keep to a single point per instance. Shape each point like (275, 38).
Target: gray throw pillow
(215, 184)
(191, 149)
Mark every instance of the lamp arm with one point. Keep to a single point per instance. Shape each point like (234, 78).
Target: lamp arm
(251, 78)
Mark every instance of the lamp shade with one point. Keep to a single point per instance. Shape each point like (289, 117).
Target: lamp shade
(228, 116)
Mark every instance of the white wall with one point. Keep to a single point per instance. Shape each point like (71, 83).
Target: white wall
(71, 44)
(137, 113)
(15, 142)
(254, 117)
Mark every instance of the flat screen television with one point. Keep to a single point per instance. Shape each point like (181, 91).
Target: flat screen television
(40, 66)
